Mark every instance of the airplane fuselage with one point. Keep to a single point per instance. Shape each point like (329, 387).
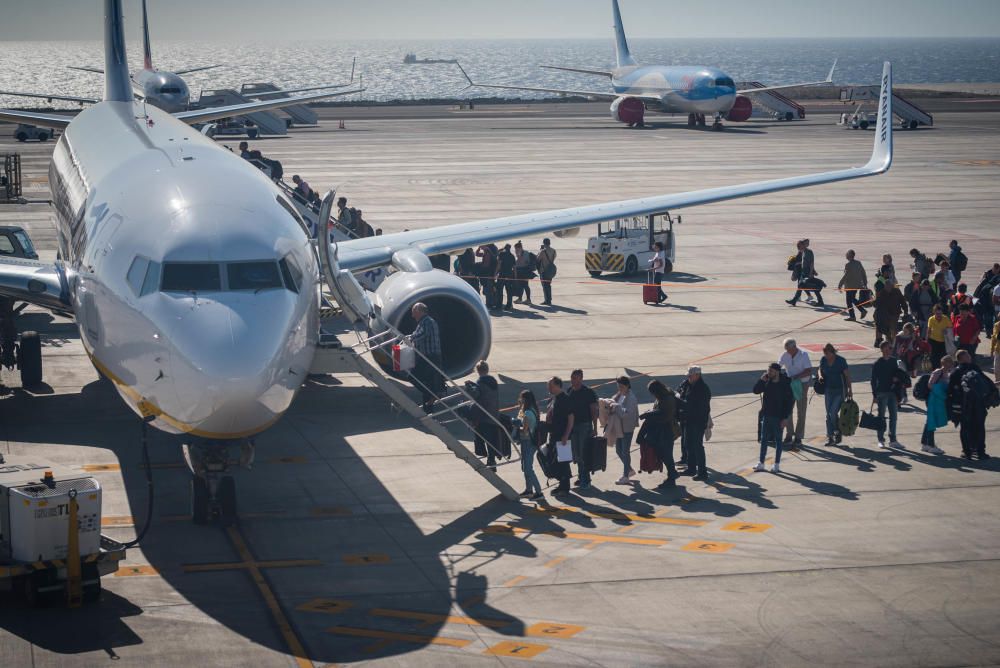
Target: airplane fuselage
(165, 90)
(193, 282)
(682, 90)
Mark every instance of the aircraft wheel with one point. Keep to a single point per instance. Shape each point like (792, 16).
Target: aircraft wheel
(692, 121)
(788, 116)
(29, 359)
(863, 125)
(226, 494)
(631, 265)
(595, 274)
(668, 267)
(913, 125)
(21, 136)
(199, 500)
(42, 136)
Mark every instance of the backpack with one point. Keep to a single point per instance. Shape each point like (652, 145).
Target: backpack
(850, 416)
(976, 382)
(961, 261)
(922, 390)
(532, 261)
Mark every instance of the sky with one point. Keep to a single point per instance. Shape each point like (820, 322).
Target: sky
(274, 20)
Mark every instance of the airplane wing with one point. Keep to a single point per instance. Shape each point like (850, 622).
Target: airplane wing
(66, 98)
(828, 80)
(286, 91)
(35, 118)
(597, 95)
(215, 113)
(35, 282)
(358, 254)
(196, 69)
(84, 68)
(579, 70)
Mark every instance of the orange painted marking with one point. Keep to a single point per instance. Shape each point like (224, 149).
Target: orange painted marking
(366, 559)
(294, 459)
(434, 618)
(518, 650)
(589, 537)
(555, 562)
(101, 468)
(135, 571)
(615, 515)
(553, 630)
(117, 521)
(707, 546)
(515, 580)
(746, 527)
(330, 606)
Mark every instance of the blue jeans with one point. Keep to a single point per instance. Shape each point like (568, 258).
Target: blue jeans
(623, 448)
(770, 431)
(693, 445)
(580, 438)
(528, 465)
(834, 400)
(887, 399)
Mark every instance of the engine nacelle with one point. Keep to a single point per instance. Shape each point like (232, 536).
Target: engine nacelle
(466, 332)
(742, 108)
(628, 110)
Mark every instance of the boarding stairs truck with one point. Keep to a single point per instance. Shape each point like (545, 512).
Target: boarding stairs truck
(910, 115)
(626, 245)
(300, 114)
(772, 104)
(263, 122)
(371, 356)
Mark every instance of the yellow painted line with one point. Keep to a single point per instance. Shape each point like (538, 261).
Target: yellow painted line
(117, 521)
(614, 515)
(553, 630)
(431, 618)
(515, 580)
(329, 606)
(555, 562)
(707, 546)
(626, 528)
(518, 650)
(473, 600)
(747, 527)
(366, 559)
(402, 637)
(135, 571)
(237, 565)
(292, 459)
(589, 537)
(98, 468)
(295, 645)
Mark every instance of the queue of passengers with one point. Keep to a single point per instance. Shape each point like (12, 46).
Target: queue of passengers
(508, 272)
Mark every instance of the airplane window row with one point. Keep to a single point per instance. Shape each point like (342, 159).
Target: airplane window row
(145, 276)
(166, 90)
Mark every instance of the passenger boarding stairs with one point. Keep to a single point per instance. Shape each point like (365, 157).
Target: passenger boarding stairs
(909, 114)
(772, 104)
(375, 339)
(299, 113)
(266, 122)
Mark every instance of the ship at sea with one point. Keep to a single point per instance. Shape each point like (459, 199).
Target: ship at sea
(411, 59)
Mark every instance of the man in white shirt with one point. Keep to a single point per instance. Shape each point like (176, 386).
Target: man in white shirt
(798, 366)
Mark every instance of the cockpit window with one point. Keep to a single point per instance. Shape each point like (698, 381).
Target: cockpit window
(291, 272)
(167, 90)
(725, 81)
(191, 277)
(253, 275)
(137, 273)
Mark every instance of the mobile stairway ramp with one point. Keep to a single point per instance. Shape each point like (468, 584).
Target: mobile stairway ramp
(909, 114)
(375, 339)
(266, 122)
(774, 104)
(299, 113)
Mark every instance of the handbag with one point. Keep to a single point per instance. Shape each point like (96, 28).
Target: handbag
(564, 451)
(925, 365)
(404, 357)
(848, 418)
(871, 421)
(819, 387)
(949, 341)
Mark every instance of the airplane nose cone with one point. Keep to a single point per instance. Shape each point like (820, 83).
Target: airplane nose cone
(231, 362)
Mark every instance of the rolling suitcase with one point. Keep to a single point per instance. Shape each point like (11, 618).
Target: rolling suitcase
(650, 291)
(597, 454)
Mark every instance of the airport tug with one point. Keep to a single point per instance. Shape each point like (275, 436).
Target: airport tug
(626, 245)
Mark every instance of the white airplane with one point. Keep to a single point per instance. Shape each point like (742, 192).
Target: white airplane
(194, 283)
(693, 90)
(163, 89)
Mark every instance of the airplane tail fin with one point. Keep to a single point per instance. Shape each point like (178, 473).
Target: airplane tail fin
(622, 54)
(116, 80)
(147, 52)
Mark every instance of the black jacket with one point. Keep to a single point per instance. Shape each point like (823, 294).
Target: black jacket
(778, 397)
(658, 423)
(697, 400)
(884, 373)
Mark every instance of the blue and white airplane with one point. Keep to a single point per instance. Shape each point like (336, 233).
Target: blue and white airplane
(696, 91)
(194, 283)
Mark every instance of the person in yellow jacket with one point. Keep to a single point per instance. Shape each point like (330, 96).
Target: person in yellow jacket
(995, 351)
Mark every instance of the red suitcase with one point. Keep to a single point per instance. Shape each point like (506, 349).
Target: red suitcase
(650, 294)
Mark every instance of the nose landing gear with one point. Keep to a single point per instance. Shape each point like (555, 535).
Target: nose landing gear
(213, 490)
(717, 124)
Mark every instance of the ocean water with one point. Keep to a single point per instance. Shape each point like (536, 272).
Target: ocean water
(40, 66)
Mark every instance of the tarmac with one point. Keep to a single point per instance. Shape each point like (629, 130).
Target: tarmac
(362, 540)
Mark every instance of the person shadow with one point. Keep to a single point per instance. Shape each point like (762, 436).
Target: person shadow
(832, 454)
(820, 487)
(471, 591)
(555, 308)
(742, 488)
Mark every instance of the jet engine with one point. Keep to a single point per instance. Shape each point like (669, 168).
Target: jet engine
(466, 333)
(628, 110)
(742, 108)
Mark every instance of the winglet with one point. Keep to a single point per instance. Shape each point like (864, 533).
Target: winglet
(117, 87)
(881, 158)
(147, 52)
(829, 77)
(466, 75)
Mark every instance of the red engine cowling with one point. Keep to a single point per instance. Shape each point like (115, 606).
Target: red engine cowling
(628, 110)
(742, 108)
